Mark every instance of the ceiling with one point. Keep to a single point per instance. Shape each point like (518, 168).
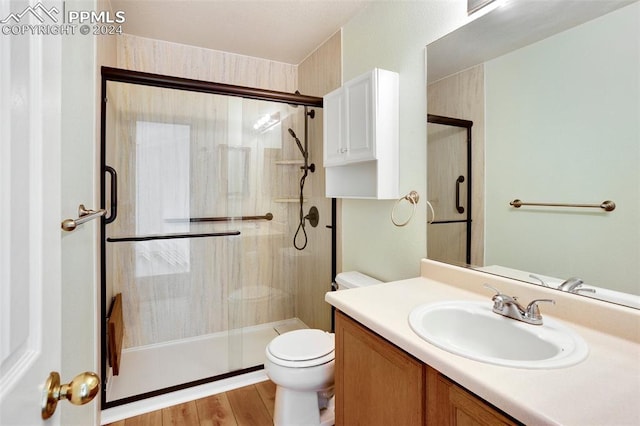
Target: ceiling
(510, 26)
(279, 30)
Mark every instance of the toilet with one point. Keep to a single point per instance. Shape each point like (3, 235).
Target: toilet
(301, 364)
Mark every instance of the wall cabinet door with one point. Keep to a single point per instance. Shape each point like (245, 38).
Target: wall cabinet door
(358, 115)
(334, 127)
(360, 105)
(376, 383)
(349, 134)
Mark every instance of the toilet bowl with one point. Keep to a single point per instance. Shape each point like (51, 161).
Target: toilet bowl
(301, 364)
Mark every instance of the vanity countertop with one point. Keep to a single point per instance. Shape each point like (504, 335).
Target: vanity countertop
(601, 390)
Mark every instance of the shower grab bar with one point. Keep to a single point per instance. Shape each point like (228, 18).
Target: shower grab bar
(606, 205)
(267, 216)
(170, 236)
(84, 215)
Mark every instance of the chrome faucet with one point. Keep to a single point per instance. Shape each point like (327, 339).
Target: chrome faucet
(509, 307)
(574, 285)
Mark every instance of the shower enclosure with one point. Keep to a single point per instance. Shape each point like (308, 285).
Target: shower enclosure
(199, 271)
(448, 189)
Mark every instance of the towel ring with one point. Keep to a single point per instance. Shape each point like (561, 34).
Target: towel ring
(412, 197)
(433, 214)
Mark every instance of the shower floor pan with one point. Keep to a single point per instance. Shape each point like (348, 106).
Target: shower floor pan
(155, 367)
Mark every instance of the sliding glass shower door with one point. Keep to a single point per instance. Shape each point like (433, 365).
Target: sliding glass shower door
(449, 189)
(196, 244)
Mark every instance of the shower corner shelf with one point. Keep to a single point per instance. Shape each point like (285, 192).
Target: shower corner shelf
(288, 200)
(289, 162)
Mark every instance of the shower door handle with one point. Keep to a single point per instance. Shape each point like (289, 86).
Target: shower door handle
(113, 211)
(459, 208)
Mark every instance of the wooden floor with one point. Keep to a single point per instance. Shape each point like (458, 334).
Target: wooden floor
(247, 406)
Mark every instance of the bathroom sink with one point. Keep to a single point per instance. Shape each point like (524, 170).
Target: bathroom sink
(473, 330)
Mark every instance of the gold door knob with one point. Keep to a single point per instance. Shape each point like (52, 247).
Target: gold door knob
(82, 389)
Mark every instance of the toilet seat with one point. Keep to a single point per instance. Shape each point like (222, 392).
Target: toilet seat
(302, 348)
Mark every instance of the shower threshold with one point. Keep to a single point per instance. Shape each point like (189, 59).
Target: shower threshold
(148, 369)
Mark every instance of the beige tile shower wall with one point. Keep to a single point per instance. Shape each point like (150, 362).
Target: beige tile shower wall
(161, 57)
(462, 96)
(319, 74)
(262, 259)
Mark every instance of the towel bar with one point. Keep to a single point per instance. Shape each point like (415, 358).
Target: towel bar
(606, 205)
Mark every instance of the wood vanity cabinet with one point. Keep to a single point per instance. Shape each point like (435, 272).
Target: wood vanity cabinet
(450, 404)
(377, 383)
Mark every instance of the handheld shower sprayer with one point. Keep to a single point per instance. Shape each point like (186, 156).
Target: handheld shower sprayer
(304, 152)
(313, 216)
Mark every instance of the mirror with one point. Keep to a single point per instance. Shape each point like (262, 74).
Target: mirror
(552, 88)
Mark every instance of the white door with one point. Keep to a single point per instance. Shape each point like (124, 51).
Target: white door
(30, 240)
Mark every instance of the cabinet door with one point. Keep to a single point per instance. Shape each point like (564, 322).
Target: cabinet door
(450, 405)
(375, 382)
(360, 105)
(334, 128)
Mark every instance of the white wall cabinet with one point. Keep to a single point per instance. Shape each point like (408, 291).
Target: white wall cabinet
(361, 137)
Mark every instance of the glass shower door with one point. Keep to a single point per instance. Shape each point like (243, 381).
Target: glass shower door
(198, 243)
(171, 253)
(448, 189)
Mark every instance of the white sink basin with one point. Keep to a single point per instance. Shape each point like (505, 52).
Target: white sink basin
(473, 330)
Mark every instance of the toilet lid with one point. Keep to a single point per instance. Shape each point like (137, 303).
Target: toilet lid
(302, 345)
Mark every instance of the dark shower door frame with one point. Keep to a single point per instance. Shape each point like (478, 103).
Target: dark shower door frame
(178, 83)
(465, 124)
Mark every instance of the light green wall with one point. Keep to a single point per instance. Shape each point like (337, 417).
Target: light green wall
(563, 125)
(393, 35)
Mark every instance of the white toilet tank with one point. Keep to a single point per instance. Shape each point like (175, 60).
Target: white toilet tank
(353, 279)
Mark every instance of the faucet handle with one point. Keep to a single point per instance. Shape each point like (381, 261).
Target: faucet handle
(535, 277)
(532, 311)
(498, 299)
(498, 292)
